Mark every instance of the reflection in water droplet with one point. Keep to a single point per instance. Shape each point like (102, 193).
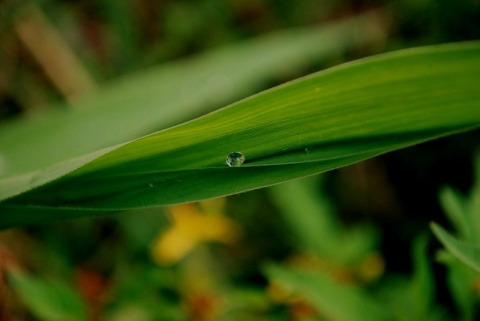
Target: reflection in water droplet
(235, 159)
(308, 150)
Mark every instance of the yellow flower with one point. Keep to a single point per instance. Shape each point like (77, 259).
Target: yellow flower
(191, 227)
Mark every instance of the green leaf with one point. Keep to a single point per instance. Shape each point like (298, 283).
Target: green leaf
(455, 209)
(464, 214)
(49, 300)
(421, 291)
(331, 299)
(316, 229)
(326, 120)
(309, 216)
(172, 93)
(460, 280)
(413, 298)
(474, 204)
(467, 253)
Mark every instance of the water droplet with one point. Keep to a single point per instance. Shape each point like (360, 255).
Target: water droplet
(235, 159)
(308, 150)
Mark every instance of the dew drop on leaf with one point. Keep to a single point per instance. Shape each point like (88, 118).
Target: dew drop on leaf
(235, 159)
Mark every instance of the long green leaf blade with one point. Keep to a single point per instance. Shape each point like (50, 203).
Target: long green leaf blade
(317, 123)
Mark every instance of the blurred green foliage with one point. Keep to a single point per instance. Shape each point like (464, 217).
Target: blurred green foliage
(335, 247)
(462, 255)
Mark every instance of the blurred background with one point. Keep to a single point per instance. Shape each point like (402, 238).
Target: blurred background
(351, 244)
